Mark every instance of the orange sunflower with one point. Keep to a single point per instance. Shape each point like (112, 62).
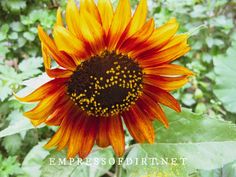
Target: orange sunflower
(114, 70)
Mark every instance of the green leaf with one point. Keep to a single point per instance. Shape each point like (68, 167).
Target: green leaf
(57, 165)
(20, 124)
(9, 166)
(222, 22)
(9, 79)
(30, 67)
(34, 159)
(198, 11)
(210, 42)
(13, 5)
(188, 100)
(206, 143)
(29, 36)
(225, 70)
(12, 143)
(13, 36)
(3, 31)
(228, 170)
(5, 91)
(200, 108)
(21, 41)
(17, 26)
(3, 51)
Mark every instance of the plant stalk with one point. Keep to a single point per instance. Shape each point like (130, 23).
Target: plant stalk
(118, 171)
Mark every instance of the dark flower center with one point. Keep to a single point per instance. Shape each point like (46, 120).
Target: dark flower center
(106, 85)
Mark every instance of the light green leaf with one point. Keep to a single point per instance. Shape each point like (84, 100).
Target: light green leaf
(9, 166)
(57, 165)
(21, 41)
(34, 159)
(225, 70)
(29, 36)
(13, 36)
(206, 143)
(5, 91)
(13, 5)
(228, 170)
(17, 26)
(12, 143)
(3, 51)
(198, 11)
(3, 31)
(30, 66)
(200, 108)
(210, 42)
(222, 22)
(188, 100)
(33, 83)
(20, 124)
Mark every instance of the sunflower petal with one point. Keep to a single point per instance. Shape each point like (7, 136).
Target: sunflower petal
(136, 23)
(67, 132)
(90, 7)
(146, 108)
(92, 32)
(60, 113)
(77, 133)
(106, 13)
(144, 124)
(165, 56)
(55, 118)
(59, 137)
(133, 128)
(55, 139)
(59, 20)
(46, 57)
(168, 70)
(43, 91)
(159, 38)
(138, 38)
(138, 19)
(162, 97)
(47, 106)
(102, 136)
(63, 60)
(64, 38)
(155, 109)
(166, 83)
(118, 26)
(116, 135)
(139, 125)
(72, 18)
(164, 33)
(177, 39)
(58, 73)
(89, 136)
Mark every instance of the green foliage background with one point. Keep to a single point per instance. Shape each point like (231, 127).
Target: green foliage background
(204, 132)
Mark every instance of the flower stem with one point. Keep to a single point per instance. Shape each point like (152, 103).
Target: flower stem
(118, 171)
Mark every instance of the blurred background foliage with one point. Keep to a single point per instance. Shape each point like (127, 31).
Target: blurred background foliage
(206, 128)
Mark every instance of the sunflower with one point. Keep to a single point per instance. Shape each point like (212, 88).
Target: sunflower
(114, 69)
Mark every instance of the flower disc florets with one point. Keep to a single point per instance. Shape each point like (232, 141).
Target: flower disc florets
(106, 84)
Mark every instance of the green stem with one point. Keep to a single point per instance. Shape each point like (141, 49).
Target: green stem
(118, 171)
